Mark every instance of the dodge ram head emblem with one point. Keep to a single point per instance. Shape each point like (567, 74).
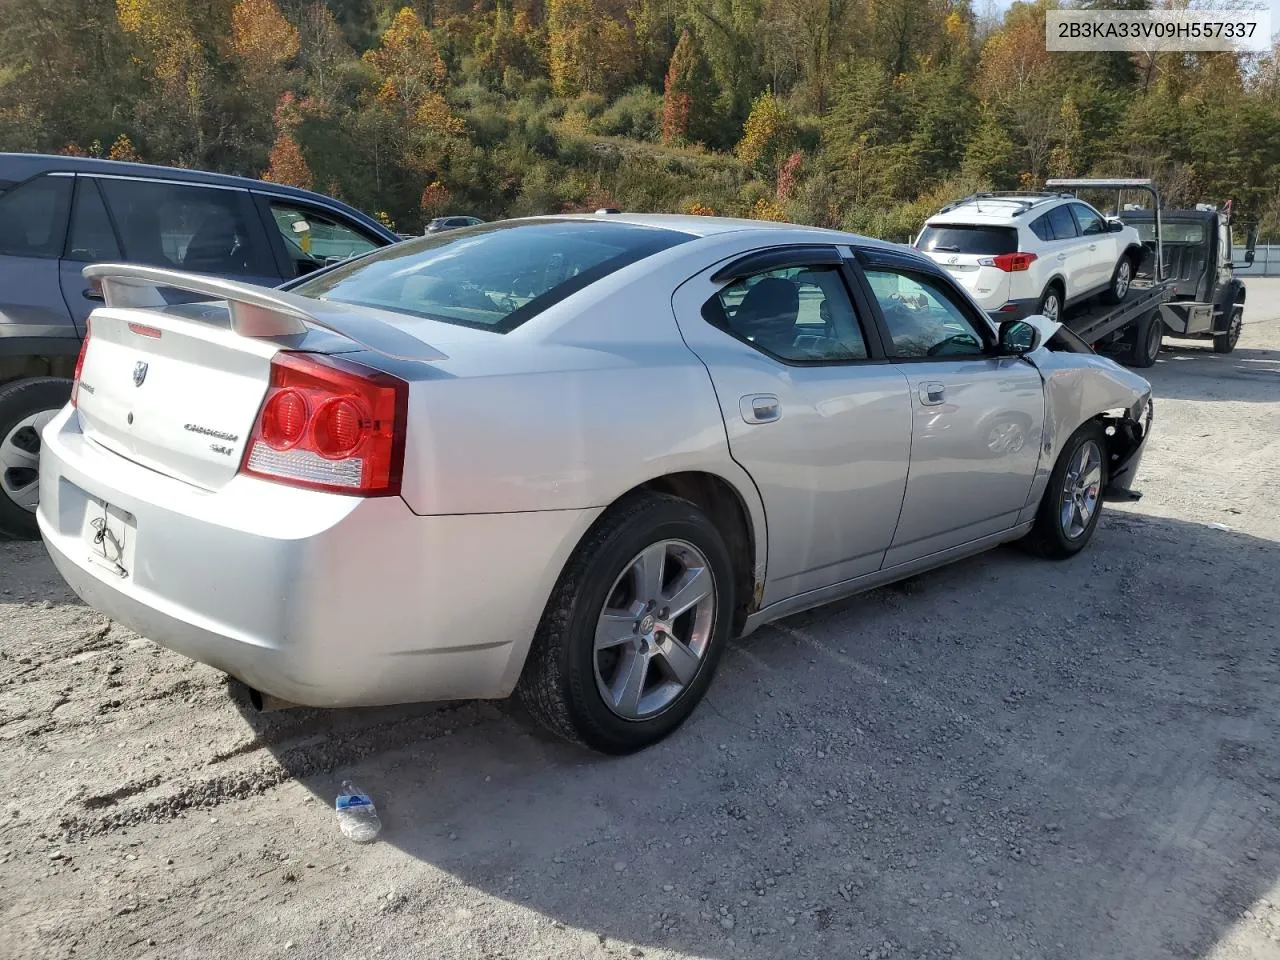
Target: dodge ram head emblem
(139, 372)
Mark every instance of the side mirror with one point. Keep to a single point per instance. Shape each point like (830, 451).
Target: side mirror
(1248, 256)
(1017, 337)
(1114, 225)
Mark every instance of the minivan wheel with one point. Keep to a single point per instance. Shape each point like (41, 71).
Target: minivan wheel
(632, 633)
(25, 407)
(1072, 502)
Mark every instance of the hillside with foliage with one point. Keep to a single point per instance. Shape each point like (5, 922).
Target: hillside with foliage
(865, 114)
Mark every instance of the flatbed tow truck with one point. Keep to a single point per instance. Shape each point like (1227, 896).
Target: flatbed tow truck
(1132, 330)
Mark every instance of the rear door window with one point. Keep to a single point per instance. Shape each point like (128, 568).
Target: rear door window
(92, 240)
(1062, 223)
(188, 227)
(33, 217)
(962, 238)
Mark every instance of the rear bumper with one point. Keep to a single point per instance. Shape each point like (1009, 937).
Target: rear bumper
(315, 598)
(1014, 309)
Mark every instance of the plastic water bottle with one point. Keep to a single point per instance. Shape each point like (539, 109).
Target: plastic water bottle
(356, 815)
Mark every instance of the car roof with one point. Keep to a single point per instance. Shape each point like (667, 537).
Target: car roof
(700, 226)
(16, 167)
(996, 211)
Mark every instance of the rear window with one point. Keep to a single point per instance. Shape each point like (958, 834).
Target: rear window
(494, 277)
(1171, 232)
(960, 238)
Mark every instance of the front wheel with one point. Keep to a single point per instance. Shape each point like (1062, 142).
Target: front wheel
(25, 407)
(1072, 502)
(632, 632)
(1226, 342)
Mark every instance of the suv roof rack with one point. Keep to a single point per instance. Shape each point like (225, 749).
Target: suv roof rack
(1025, 198)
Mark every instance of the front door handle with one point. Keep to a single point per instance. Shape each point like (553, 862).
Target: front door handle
(932, 394)
(1093, 246)
(760, 408)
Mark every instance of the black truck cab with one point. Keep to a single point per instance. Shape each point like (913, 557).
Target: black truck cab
(1207, 301)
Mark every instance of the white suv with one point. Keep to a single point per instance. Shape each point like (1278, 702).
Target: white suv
(1025, 253)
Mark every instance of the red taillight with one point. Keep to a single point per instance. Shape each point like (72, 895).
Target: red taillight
(330, 424)
(84, 348)
(1009, 262)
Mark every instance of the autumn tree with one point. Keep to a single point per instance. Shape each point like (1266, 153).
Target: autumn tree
(406, 62)
(768, 136)
(687, 97)
(288, 165)
(261, 35)
(588, 51)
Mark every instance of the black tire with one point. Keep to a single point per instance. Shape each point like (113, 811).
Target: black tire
(558, 684)
(1226, 342)
(19, 401)
(1146, 342)
(1047, 538)
(1121, 277)
(1054, 291)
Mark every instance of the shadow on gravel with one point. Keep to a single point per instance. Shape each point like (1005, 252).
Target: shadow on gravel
(1004, 758)
(1187, 371)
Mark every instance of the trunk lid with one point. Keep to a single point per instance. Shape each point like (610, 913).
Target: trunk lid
(176, 390)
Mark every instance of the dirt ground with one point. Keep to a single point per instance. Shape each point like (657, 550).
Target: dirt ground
(1006, 758)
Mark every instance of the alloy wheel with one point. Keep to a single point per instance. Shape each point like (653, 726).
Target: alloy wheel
(20, 460)
(1124, 275)
(1081, 489)
(1050, 308)
(655, 629)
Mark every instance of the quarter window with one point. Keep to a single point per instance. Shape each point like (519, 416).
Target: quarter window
(797, 314)
(922, 318)
(33, 217)
(1041, 227)
(187, 227)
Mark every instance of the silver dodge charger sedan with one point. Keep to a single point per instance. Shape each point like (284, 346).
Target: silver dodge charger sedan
(569, 457)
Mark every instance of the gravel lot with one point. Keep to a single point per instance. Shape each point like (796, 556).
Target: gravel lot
(1007, 758)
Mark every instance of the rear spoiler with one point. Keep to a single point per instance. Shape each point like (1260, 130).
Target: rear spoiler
(259, 312)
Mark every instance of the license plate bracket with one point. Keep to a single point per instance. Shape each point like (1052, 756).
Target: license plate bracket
(110, 533)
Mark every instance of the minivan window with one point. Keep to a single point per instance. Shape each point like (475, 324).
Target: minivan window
(963, 238)
(494, 277)
(187, 227)
(33, 217)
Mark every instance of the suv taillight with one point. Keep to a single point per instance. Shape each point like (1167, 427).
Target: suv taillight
(330, 424)
(84, 348)
(1009, 262)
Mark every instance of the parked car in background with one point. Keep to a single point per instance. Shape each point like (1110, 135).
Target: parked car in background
(59, 213)
(1208, 298)
(440, 224)
(570, 456)
(1024, 253)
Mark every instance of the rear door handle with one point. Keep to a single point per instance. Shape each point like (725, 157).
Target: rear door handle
(89, 293)
(1062, 256)
(760, 408)
(932, 394)
(1093, 246)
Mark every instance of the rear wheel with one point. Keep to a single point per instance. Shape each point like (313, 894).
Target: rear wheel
(1072, 503)
(1121, 280)
(1051, 302)
(25, 407)
(1226, 342)
(630, 638)
(1147, 339)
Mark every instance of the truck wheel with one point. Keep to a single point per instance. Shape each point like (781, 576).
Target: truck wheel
(1121, 279)
(25, 407)
(632, 632)
(1148, 338)
(1226, 342)
(1072, 501)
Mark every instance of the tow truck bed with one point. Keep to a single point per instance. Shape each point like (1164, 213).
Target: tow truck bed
(1094, 323)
